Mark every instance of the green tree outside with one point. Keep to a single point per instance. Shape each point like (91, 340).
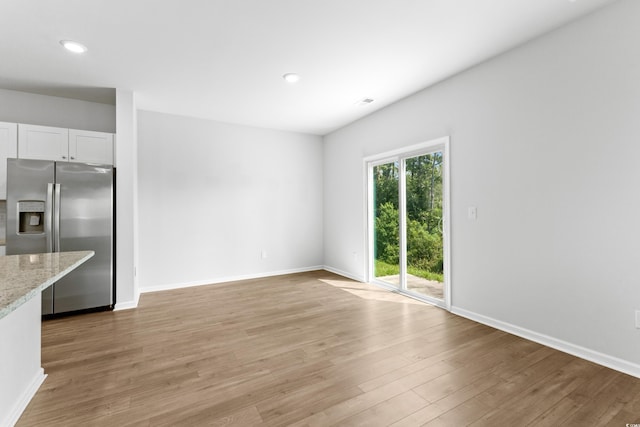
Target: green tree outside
(424, 217)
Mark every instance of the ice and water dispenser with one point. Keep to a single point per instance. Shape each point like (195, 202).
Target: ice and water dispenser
(30, 217)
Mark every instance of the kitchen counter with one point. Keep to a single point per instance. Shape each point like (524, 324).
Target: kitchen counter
(22, 279)
(24, 276)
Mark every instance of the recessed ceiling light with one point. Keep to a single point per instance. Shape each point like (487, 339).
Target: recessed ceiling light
(74, 47)
(365, 101)
(291, 77)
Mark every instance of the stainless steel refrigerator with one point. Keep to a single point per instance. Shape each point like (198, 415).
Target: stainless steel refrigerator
(64, 206)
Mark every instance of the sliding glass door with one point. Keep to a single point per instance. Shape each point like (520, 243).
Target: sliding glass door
(386, 241)
(424, 225)
(408, 209)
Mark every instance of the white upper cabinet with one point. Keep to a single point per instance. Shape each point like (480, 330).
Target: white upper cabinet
(8, 149)
(90, 147)
(50, 143)
(43, 143)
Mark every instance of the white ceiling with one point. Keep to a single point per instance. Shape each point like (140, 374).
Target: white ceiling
(224, 59)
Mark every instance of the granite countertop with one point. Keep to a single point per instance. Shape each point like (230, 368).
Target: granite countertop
(24, 276)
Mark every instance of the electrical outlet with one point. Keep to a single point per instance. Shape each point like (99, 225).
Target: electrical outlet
(638, 319)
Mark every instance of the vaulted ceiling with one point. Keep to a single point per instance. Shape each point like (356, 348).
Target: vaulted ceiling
(224, 59)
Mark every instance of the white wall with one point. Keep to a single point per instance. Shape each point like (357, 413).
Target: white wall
(213, 196)
(22, 107)
(545, 142)
(126, 160)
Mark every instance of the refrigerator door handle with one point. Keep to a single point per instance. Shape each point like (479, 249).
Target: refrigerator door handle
(48, 209)
(56, 218)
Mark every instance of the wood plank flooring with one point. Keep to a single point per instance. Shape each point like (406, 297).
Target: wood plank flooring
(311, 349)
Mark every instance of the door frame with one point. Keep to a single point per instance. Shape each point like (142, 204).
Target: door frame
(400, 155)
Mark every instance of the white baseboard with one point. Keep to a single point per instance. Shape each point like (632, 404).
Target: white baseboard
(12, 418)
(612, 362)
(171, 286)
(127, 305)
(344, 274)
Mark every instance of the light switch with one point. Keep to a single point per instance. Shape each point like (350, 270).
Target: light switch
(473, 212)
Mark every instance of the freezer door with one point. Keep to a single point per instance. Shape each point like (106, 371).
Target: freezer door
(27, 184)
(86, 223)
(28, 230)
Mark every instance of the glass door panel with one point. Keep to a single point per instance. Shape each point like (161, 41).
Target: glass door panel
(386, 227)
(424, 225)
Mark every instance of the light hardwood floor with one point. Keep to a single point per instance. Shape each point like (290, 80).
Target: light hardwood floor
(311, 349)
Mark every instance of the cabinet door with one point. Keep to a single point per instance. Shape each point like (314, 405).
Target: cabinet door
(90, 147)
(8, 149)
(42, 142)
